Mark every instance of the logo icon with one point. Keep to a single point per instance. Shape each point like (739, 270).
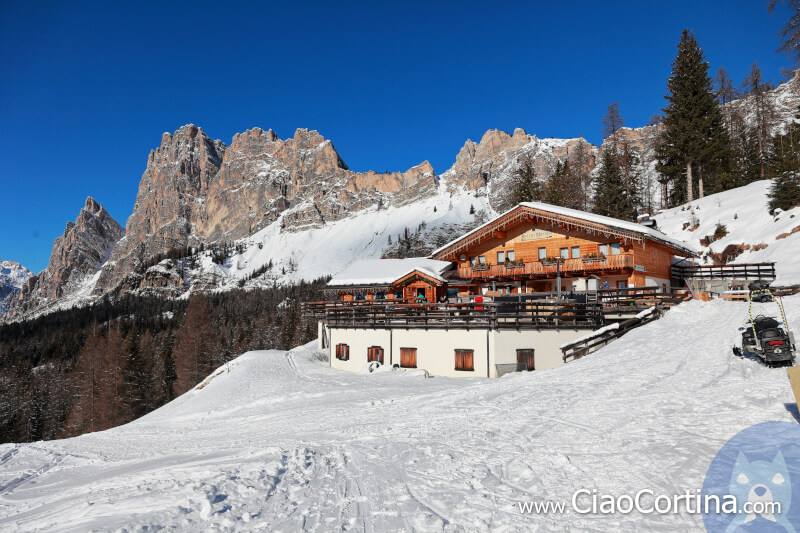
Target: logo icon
(757, 473)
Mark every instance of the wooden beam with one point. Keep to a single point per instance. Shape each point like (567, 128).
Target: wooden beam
(794, 381)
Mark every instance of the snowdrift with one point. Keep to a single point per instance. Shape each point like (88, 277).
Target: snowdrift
(743, 211)
(280, 441)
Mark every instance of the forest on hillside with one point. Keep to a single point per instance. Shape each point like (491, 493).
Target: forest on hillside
(93, 368)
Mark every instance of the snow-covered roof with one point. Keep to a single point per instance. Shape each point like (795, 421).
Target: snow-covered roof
(645, 231)
(387, 271)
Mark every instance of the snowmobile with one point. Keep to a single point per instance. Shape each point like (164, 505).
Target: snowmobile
(764, 336)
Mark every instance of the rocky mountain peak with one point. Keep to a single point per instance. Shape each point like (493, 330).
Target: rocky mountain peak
(12, 277)
(77, 254)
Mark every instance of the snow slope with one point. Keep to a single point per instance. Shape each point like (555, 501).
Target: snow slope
(278, 441)
(744, 212)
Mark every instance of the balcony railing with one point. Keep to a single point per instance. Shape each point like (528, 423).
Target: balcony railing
(537, 268)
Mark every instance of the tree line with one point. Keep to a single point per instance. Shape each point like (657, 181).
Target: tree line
(710, 137)
(93, 368)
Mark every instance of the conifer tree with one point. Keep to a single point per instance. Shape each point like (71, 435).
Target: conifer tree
(694, 135)
(784, 167)
(610, 197)
(525, 185)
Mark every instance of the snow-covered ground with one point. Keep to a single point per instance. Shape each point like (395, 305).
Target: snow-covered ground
(743, 211)
(278, 441)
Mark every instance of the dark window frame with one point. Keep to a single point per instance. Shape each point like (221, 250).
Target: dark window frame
(462, 356)
(527, 356)
(343, 352)
(372, 351)
(402, 361)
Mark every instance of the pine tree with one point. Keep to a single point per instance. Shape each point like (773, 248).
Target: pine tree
(790, 33)
(525, 185)
(764, 113)
(694, 132)
(610, 196)
(784, 168)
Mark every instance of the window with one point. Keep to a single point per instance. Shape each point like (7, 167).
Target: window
(465, 360)
(481, 259)
(380, 295)
(525, 357)
(542, 253)
(501, 258)
(603, 249)
(510, 256)
(408, 357)
(472, 261)
(565, 253)
(615, 248)
(360, 296)
(622, 284)
(576, 252)
(343, 352)
(398, 294)
(375, 353)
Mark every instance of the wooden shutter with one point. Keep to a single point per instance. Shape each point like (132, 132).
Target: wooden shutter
(525, 357)
(408, 357)
(375, 353)
(465, 360)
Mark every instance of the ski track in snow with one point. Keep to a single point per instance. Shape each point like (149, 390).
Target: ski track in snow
(277, 441)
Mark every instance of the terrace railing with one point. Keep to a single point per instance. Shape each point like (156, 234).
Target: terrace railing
(501, 315)
(539, 268)
(745, 271)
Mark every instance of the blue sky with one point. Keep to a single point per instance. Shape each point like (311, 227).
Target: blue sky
(87, 88)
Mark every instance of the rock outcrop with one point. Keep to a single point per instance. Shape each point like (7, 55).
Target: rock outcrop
(12, 277)
(77, 255)
(196, 190)
(492, 162)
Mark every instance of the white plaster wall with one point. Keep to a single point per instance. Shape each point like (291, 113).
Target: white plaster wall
(436, 347)
(358, 340)
(545, 342)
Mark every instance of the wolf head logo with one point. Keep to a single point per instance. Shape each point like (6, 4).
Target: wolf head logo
(761, 482)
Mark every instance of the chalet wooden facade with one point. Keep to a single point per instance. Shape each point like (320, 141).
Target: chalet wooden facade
(416, 278)
(530, 247)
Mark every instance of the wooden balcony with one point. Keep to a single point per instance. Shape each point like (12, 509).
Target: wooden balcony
(546, 270)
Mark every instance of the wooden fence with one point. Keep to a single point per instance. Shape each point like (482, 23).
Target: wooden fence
(499, 315)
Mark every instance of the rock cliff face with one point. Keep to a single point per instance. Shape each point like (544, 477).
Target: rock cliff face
(77, 255)
(12, 277)
(195, 190)
(492, 162)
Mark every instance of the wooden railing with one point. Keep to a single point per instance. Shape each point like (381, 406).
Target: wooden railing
(513, 315)
(638, 298)
(580, 348)
(534, 268)
(765, 271)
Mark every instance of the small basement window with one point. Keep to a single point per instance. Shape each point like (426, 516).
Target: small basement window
(343, 352)
(408, 357)
(465, 360)
(375, 353)
(525, 357)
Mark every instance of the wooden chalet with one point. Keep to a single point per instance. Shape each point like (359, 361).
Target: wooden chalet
(534, 246)
(416, 278)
